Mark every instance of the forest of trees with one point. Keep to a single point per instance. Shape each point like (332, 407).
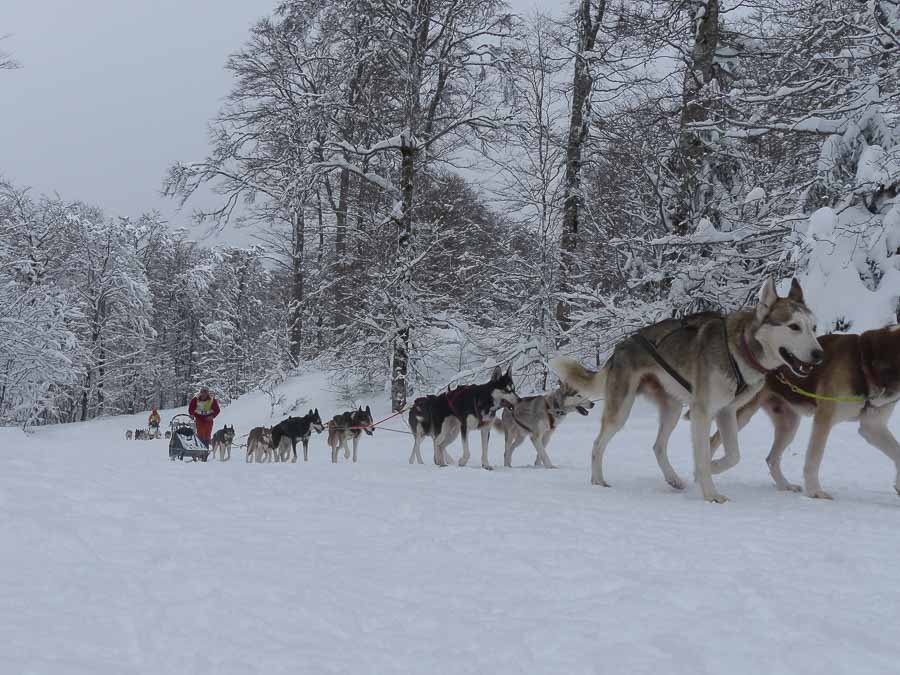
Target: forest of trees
(440, 185)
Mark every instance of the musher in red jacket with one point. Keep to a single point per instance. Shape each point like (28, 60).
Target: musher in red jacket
(203, 409)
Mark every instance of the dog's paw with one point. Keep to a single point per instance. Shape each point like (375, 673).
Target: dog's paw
(819, 494)
(676, 482)
(716, 498)
(487, 467)
(600, 482)
(790, 487)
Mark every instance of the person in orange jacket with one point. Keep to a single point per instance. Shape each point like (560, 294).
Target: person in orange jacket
(203, 409)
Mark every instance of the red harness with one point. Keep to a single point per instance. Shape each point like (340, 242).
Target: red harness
(453, 394)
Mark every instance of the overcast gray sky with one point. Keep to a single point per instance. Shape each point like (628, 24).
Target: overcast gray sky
(113, 91)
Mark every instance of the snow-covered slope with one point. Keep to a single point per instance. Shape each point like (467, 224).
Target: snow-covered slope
(115, 560)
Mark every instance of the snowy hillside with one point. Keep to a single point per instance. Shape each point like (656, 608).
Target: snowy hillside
(115, 560)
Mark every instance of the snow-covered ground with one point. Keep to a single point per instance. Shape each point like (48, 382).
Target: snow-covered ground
(115, 560)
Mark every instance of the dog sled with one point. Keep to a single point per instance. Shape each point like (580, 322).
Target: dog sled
(184, 443)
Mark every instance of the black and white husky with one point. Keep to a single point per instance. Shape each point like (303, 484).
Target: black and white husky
(445, 416)
(296, 428)
(348, 426)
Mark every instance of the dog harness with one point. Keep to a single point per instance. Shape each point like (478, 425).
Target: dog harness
(653, 350)
(453, 394)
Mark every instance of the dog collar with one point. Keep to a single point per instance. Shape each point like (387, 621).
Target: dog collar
(751, 359)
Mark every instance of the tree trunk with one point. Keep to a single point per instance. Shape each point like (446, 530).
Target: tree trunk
(579, 125)
(320, 316)
(419, 23)
(341, 268)
(295, 312)
(687, 158)
(400, 364)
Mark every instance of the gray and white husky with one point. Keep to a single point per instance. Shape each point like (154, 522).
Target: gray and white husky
(537, 417)
(221, 443)
(714, 363)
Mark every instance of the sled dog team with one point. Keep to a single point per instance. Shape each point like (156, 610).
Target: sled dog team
(271, 445)
(724, 368)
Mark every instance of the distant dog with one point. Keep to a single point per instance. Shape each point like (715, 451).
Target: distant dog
(537, 417)
(715, 363)
(221, 442)
(128, 435)
(141, 435)
(259, 444)
(864, 367)
(445, 416)
(168, 435)
(297, 428)
(346, 426)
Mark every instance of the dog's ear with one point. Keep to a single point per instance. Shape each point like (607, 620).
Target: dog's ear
(368, 410)
(767, 297)
(796, 292)
(497, 374)
(508, 374)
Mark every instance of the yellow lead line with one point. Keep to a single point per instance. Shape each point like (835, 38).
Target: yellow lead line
(837, 399)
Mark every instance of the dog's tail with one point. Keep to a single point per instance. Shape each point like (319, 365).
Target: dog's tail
(587, 382)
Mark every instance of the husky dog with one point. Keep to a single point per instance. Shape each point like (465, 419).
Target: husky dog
(141, 435)
(297, 428)
(259, 444)
(128, 435)
(168, 435)
(345, 426)
(863, 373)
(536, 417)
(713, 363)
(221, 442)
(451, 414)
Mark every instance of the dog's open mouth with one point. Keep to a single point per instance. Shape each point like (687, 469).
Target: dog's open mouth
(800, 368)
(581, 410)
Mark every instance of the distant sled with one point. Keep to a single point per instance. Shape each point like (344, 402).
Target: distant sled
(184, 442)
